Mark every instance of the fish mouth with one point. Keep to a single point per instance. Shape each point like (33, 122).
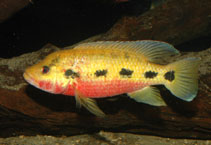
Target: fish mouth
(29, 79)
(54, 88)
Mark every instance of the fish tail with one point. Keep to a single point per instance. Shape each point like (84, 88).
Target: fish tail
(181, 78)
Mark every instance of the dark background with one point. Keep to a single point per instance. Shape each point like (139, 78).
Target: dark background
(62, 23)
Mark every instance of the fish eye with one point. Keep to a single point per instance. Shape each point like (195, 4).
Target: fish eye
(45, 69)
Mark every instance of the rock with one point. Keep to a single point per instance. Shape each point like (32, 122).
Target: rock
(102, 138)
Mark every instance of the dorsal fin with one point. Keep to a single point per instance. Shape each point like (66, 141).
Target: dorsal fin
(152, 50)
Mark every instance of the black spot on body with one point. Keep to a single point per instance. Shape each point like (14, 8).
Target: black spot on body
(71, 73)
(169, 76)
(126, 72)
(150, 74)
(99, 73)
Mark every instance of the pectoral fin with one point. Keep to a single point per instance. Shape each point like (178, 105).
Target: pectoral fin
(148, 95)
(89, 104)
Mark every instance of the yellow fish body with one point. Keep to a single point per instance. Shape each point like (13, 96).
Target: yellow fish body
(109, 68)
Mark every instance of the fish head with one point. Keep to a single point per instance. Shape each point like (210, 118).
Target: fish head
(48, 74)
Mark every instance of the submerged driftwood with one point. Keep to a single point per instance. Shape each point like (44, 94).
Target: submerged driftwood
(27, 110)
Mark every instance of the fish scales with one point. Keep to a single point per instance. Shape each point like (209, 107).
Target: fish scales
(112, 83)
(106, 68)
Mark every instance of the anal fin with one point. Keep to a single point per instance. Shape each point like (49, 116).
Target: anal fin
(148, 95)
(89, 104)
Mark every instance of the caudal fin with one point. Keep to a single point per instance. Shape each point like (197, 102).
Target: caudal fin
(182, 78)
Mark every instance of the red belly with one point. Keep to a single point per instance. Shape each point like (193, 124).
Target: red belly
(97, 89)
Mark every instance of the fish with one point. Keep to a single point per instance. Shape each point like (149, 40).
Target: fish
(110, 68)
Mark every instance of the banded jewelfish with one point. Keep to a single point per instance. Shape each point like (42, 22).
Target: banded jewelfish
(109, 68)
